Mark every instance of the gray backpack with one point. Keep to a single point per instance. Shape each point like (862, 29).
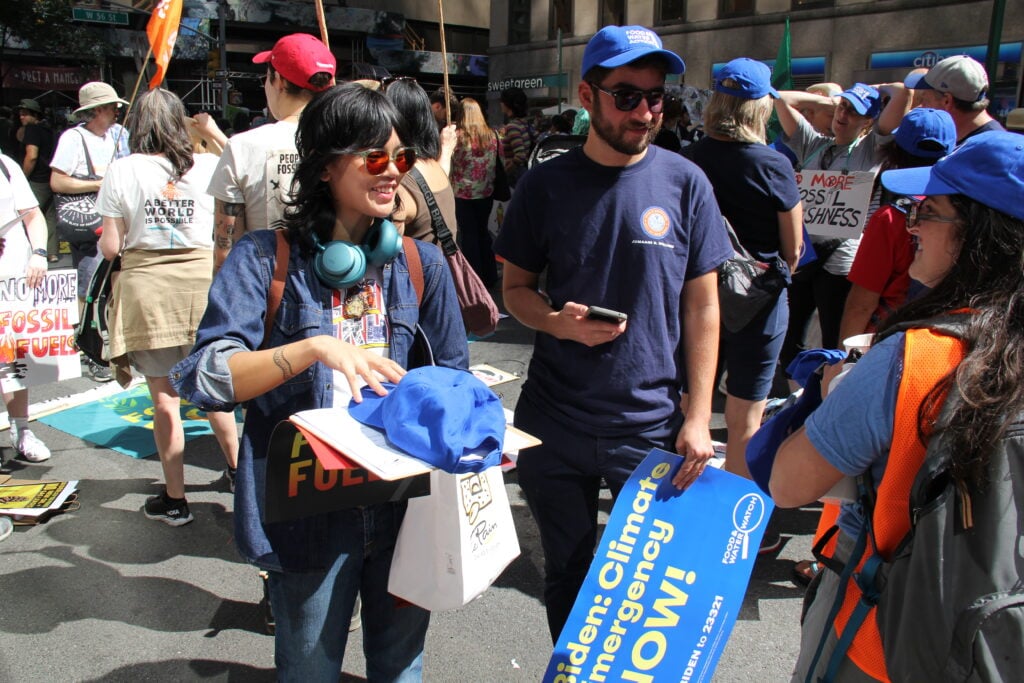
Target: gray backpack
(951, 604)
(951, 599)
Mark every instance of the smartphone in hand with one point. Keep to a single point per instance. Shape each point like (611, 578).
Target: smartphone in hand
(606, 315)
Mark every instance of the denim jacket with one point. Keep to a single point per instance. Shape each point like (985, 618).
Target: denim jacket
(234, 321)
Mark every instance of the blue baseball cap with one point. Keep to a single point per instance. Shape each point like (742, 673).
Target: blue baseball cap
(865, 99)
(928, 133)
(914, 79)
(446, 417)
(988, 168)
(615, 46)
(753, 79)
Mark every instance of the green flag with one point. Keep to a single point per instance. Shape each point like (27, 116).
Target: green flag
(782, 78)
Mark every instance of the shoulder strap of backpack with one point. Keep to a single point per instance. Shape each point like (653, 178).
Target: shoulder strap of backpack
(412, 257)
(444, 235)
(276, 292)
(3, 169)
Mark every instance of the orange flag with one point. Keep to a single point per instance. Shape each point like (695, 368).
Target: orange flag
(162, 30)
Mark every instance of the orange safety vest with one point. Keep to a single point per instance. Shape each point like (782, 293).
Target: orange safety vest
(928, 356)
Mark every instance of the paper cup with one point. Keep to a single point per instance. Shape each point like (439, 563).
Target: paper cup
(861, 342)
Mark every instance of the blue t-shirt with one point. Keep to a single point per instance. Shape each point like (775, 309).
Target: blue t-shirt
(752, 184)
(625, 239)
(852, 428)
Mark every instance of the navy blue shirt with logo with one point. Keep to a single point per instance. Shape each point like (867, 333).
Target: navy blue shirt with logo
(626, 239)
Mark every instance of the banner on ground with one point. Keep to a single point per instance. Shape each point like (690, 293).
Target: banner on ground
(37, 330)
(835, 203)
(668, 579)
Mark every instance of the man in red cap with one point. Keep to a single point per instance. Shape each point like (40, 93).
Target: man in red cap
(255, 171)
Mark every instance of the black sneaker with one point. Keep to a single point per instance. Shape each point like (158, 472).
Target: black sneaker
(174, 514)
(227, 479)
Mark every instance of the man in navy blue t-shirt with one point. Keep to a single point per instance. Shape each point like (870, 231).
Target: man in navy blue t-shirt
(625, 226)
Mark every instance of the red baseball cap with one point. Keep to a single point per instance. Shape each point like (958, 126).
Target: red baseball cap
(298, 57)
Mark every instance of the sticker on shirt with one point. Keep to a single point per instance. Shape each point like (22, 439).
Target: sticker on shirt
(168, 212)
(656, 223)
(280, 169)
(358, 315)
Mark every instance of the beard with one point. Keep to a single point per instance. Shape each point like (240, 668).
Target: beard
(615, 137)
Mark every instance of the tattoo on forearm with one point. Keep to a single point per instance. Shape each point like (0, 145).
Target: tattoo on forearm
(233, 209)
(282, 362)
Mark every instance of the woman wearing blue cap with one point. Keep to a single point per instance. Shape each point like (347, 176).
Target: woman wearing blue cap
(880, 282)
(878, 422)
(860, 127)
(756, 192)
(348, 316)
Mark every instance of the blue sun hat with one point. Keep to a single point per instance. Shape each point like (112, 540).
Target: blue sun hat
(988, 168)
(445, 417)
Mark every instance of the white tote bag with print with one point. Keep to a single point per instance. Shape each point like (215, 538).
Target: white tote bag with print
(454, 543)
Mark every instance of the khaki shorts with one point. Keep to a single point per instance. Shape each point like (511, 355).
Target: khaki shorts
(157, 362)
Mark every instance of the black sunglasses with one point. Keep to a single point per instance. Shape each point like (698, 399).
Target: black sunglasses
(628, 99)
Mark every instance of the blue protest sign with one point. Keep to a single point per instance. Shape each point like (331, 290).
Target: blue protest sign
(668, 579)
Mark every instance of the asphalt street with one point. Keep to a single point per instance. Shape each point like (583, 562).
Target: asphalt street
(103, 594)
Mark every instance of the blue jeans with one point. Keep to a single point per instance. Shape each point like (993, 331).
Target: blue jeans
(313, 610)
(561, 479)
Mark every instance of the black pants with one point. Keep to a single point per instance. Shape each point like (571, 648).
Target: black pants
(814, 288)
(474, 238)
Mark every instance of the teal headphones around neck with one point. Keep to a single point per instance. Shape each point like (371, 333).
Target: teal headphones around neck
(339, 264)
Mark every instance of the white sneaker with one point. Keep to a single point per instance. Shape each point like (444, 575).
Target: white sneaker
(31, 448)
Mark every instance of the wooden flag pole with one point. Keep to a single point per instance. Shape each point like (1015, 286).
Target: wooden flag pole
(138, 81)
(322, 20)
(444, 66)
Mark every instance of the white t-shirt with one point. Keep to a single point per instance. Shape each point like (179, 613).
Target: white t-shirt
(256, 169)
(160, 214)
(69, 156)
(360, 318)
(15, 197)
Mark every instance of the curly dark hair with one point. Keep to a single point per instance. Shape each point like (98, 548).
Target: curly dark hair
(516, 100)
(986, 281)
(344, 119)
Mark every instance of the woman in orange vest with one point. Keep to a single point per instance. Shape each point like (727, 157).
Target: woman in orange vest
(969, 233)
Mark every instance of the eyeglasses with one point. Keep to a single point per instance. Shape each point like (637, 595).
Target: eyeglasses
(377, 160)
(915, 217)
(628, 99)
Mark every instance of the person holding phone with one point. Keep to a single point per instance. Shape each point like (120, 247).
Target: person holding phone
(638, 233)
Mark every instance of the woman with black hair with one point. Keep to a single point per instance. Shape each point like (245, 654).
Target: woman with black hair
(159, 218)
(348, 318)
(880, 419)
(413, 104)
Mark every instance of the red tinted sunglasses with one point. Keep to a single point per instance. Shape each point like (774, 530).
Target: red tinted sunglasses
(377, 160)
